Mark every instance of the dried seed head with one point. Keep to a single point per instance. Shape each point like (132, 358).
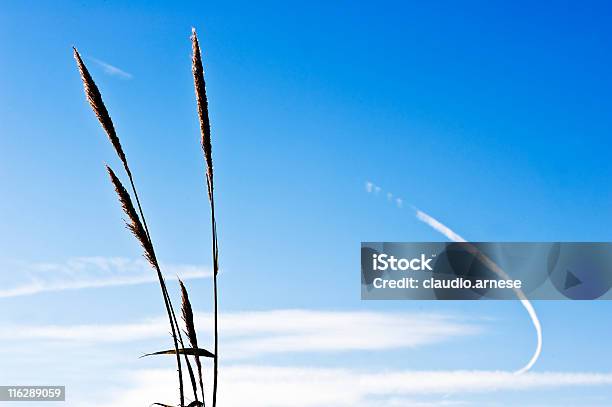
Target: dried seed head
(191, 331)
(134, 224)
(200, 90)
(188, 316)
(97, 104)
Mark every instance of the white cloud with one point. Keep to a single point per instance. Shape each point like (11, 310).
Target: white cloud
(307, 331)
(273, 386)
(250, 334)
(93, 272)
(111, 69)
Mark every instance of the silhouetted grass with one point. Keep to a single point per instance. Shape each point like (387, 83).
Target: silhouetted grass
(136, 223)
(200, 90)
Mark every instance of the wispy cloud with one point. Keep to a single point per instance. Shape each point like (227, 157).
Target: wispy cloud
(273, 386)
(92, 272)
(253, 334)
(262, 333)
(111, 69)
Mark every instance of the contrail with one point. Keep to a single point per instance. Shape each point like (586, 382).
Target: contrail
(451, 235)
(434, 223)
(111, 69)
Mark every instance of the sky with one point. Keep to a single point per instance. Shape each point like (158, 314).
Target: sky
(492, 117)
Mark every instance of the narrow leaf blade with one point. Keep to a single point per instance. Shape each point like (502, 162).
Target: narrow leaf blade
(186, 351)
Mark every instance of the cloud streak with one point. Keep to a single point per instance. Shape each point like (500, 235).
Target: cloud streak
(370, 187)
(274, 386)
(436, 225)
(111, 69)
(254, 334)
(94, 272)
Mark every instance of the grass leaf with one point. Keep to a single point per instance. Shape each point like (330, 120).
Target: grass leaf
(185, 351)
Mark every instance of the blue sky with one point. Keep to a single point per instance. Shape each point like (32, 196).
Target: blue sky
(490, 116)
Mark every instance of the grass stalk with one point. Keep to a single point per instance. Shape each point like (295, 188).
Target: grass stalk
(203, 115)
(140, 229)
(137, 229)
(137, 224)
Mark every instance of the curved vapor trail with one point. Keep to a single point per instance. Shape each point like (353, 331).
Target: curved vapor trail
(451, 235)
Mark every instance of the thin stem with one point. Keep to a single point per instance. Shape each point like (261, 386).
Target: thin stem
(167, 301)
(174, 336)
(215, 271)
(216, 361)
